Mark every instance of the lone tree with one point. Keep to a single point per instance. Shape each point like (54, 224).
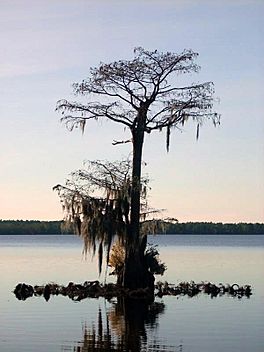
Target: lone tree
(140, 95)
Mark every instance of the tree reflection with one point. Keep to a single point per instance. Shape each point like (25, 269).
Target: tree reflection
(124, 327)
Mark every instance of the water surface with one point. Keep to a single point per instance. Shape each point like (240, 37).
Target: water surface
(171, 324)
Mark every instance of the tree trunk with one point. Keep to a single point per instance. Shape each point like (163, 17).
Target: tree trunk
(137, 131)
(138, 138)
(136, 274)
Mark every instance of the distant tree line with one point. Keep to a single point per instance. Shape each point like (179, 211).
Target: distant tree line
(215, 228)
(34, 227)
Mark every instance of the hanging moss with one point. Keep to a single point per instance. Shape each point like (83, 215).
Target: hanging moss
(97, 200)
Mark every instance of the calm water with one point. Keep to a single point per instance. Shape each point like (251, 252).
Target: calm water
(170, 324)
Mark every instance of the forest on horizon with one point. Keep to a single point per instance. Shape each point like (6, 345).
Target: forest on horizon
(35, 227)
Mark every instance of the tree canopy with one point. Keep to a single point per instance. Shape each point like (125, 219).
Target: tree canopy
(143, 83)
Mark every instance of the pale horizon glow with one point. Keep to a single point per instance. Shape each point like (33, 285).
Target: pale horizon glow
(48, 45)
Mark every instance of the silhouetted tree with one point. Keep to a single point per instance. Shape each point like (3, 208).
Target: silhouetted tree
(140, 95)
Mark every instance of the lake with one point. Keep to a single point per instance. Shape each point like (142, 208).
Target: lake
(180, 324)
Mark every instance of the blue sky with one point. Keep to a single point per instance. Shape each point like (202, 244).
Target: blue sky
(48, 45)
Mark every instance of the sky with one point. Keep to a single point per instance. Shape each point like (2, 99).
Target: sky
(46, 45)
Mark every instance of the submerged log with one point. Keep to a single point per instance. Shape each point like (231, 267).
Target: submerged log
(93, 289)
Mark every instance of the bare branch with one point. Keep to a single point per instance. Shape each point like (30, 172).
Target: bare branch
(121, 142)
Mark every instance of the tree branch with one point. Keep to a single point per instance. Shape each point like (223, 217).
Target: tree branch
(121, 142)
